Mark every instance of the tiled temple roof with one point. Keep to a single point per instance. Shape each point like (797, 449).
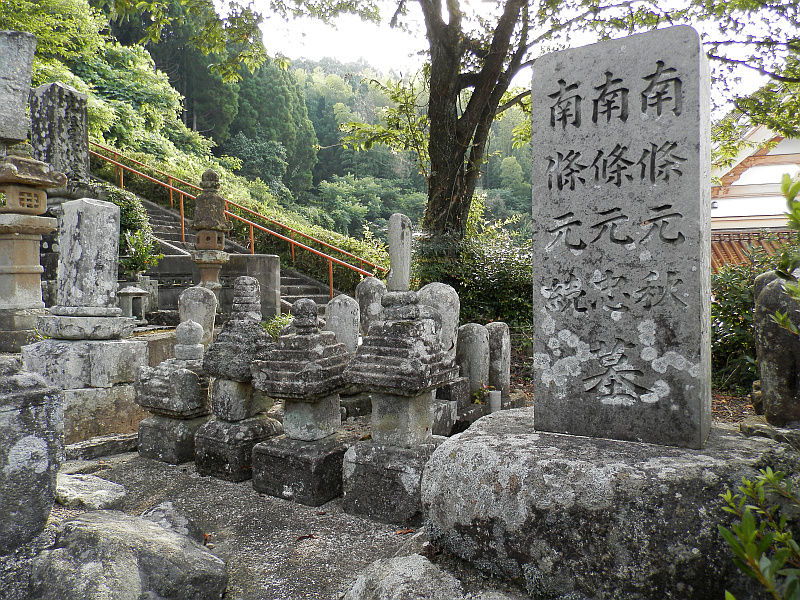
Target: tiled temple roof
(731, 247)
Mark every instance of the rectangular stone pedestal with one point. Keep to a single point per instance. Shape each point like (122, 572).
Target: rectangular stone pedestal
(306, 472)
(18, 327)
(401, 420)
(225, 449)
(457, 390)
(383, 482)
(90, 412)
(169, 440)
(444, 414)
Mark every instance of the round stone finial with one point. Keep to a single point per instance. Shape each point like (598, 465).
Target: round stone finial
(189, 333)
(210, 180)
(305, 313)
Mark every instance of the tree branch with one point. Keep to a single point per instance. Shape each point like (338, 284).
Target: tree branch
(515, 100)
(763, 71)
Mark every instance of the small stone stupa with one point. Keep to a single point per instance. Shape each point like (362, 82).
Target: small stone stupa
(176, 392)
(224, 445)
(401, 362)
(305, 369)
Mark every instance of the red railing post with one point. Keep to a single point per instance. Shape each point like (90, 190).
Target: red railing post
(330, 275)
(119, 172)
(171, 205)
(252, 245)
(291, 236)
(183, 234)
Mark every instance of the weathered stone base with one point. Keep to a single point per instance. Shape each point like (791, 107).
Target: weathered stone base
(18, 327)
(383, 482)
(83, 364)
(30, 452)
(169, 440)
(225, 450)
(576, 517)
(457, 390)
(104, 445)
(90, 412)
(444, 414)
(306, 472)
(403, 421)
(67, 327)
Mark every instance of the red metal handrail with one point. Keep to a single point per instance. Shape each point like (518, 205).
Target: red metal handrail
(172, 178)
(181, 194)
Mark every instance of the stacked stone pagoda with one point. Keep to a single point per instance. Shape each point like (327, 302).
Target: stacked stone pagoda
(23, 199)
(224, 445)
(210, 226)
(86, 353)
(401, 362)
(305, 369)
(176, 392)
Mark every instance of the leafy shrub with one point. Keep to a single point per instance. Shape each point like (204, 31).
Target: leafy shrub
(733, 350)
(761, 539)
(491, 271)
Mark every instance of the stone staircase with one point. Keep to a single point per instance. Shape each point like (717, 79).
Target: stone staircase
(166, 225)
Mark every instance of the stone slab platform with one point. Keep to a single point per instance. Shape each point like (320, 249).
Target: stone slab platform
(577, 517)
(306, 472)
(168, 440)
(383, 482)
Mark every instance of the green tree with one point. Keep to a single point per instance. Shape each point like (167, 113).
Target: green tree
(272, 107)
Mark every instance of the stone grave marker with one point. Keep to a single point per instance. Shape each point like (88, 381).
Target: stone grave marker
(621, 217)
(16, 59)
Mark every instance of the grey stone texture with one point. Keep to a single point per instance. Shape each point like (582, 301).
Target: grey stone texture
(499, 357)
(457, 390)
(60, 129)
(168, 440)
(88, 238)
(444, 414)
(88, 491)
(16, 50)
(235, 401)
(306, 365)
(108, 554)
(311, 421)
(66, 327)
(621, 252)
(177, 387)
(90, 412)
(209, 212)
(242, 338)
(404, 577)
(403, 421)
(369, 292)
(778, 352)
(400, 233)
(83, 364)
(31, 448)
(166, 515)
(444, 299)
(401, 354)
(594, 518)
(382, 482)
(472, 355)
(343, 318)
(102, 445)
(199, 304)
(309, 473)
(225, 449)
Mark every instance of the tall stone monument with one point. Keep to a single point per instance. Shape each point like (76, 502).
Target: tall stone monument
(86, 353)
(23, 199)
(621, 240)
(210, 225)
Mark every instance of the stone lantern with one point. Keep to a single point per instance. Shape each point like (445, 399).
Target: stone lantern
(210, 226)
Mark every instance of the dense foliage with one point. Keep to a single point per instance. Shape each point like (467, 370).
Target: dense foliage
(762, 538)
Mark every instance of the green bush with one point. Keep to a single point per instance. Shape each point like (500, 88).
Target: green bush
(733, 352)
(490, 269)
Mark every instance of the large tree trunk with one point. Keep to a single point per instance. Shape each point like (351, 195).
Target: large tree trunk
(457, 142)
